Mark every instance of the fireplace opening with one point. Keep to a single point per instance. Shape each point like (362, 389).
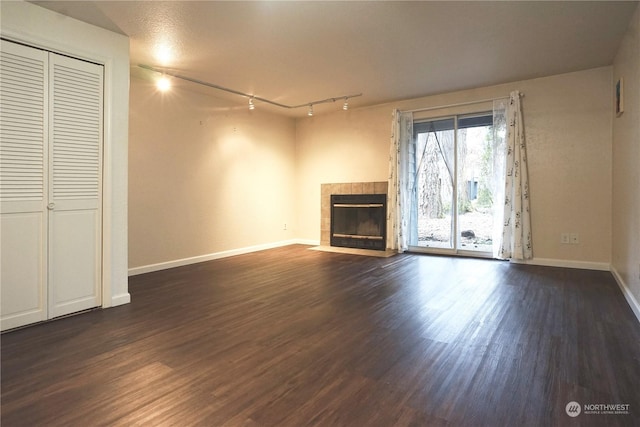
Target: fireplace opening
(359, 221)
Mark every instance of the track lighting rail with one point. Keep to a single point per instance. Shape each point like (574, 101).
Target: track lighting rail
(246, 95)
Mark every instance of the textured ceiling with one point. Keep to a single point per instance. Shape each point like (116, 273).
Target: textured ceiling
(298, 52)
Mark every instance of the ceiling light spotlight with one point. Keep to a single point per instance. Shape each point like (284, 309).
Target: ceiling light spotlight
(345, 106)
(163, 52)
(310, 112)
(251, 105)
(163, 84)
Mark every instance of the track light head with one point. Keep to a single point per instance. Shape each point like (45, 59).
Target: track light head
(345, 106)
(251, 104)
(163, 83)
(310, 111)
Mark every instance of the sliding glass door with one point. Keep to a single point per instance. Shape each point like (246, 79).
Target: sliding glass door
(454, 181)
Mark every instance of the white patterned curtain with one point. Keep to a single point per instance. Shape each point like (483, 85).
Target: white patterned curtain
(499, 151)
(400, 179)
(516, 233)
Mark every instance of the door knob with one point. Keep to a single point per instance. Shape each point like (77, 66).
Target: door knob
(51, 206)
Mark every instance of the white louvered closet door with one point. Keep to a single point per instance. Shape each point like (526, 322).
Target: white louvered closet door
(75, 159)
(50, 185)
(23, 152)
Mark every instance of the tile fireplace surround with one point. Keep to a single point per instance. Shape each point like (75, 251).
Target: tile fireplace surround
(326, 190)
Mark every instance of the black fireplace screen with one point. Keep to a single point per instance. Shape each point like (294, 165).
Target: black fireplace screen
(359, 221)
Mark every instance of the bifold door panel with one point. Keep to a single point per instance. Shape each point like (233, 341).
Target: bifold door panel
(50, 185)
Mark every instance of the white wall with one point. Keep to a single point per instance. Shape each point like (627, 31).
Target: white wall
(626, 168)
(35, 26)
(568, 128)
(207, 177)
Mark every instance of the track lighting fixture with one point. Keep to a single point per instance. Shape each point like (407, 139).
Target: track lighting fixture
(163, 83)
(166, 84)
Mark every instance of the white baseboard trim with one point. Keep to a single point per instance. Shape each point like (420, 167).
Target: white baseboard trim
(208, 257)
(120, 299)
(308, 242)
(549, 262)
(631, 300)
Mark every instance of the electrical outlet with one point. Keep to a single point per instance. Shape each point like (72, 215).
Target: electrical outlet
(564, 238)
(575, 238)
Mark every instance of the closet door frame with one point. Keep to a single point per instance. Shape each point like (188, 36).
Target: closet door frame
(90, 55)
(38, 27)
(107, 167)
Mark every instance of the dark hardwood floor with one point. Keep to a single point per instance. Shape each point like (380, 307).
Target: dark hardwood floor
(295, 337)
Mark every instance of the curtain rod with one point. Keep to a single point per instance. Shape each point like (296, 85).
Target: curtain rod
(459, 104)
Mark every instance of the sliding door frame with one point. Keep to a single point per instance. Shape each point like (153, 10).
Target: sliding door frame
(455, 250)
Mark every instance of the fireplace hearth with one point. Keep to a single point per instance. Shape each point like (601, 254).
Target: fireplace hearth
(359, 221)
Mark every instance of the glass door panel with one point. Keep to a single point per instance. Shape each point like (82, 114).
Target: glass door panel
(435, 158)
(475, 201)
